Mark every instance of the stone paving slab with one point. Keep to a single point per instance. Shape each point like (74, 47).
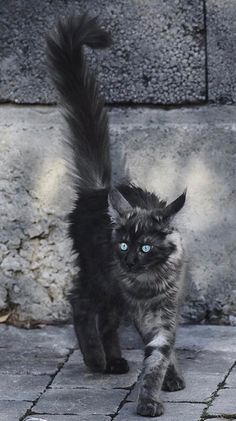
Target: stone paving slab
(12, 410)
(29, 363)
(49, 341)
(67, 418)
(231, 379)
(196, 391)
(224, 404)
(95, 397)
(204, 338)
(74, 374)
(207, 361)
(173, 412)
(80, 401)
(22, 387)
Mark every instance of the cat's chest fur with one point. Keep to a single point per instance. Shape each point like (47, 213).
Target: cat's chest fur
(164, 281)
(152, 296)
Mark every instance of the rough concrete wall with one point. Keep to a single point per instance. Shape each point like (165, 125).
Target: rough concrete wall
(221, 50)
(164, 52)
(35, 261)
(158, 52)
(165, 151)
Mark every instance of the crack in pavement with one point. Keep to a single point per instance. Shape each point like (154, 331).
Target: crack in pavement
(30, 411)
(125, 400)
(214, 395)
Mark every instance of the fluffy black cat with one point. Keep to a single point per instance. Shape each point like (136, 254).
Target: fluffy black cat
(129, 254)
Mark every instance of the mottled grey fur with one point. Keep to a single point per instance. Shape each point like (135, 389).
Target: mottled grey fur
(152, 298)
(130, 255)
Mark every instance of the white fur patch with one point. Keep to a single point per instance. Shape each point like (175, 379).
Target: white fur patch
(155, 360)
(159, 340)
(175, 238)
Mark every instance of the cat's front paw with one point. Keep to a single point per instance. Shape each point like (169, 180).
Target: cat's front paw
(172, 384)
(150, 408)
(117, 366)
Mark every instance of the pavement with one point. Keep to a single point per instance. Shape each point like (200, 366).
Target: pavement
(43, 378)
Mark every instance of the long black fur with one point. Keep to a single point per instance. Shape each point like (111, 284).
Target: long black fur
(110, 227)
(83, 108)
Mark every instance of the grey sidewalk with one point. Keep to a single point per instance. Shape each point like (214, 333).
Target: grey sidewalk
(42, 377)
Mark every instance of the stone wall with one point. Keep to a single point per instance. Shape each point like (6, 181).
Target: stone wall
(221, 51)
(34, 252)
(164, 51)
(165, 151)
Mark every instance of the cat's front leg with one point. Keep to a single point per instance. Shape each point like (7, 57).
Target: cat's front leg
(85, 325)
(158, 349)
(108, 326)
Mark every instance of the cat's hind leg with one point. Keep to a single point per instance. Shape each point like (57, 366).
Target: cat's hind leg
(108, 326)
(85, 324)
(173, 379)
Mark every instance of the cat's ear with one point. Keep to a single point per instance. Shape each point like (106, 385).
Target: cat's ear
(118, 206)
(175, 206)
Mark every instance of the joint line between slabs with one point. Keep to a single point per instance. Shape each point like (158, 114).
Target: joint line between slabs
(214, 395)
(60, 366)
(125, 400)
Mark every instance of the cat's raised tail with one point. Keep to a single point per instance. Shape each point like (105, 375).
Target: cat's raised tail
(84, 111)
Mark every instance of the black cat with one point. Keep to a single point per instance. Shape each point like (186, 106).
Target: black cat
(129, 254)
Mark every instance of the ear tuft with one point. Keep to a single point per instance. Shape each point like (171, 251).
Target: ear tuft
(118, 206)
(175, 206)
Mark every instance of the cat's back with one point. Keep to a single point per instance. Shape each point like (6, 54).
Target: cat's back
(89, 212)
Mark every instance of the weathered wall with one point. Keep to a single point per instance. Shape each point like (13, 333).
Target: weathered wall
(221, 50)
(164, 51)
(165, 151)
(158, 52)
(35, 262)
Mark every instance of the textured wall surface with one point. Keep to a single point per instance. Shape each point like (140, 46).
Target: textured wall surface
(35, 263)
(221, 47)
(158, 52)
(164, 51)
(165, 151)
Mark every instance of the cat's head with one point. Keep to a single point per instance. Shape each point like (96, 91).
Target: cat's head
(144, 238)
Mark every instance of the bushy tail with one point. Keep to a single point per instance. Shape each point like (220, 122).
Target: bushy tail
(83, 108)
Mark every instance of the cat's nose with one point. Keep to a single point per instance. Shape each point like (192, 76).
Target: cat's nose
(130, 264)
(130, 260)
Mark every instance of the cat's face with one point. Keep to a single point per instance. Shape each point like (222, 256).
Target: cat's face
(142, 247)
(142, 239)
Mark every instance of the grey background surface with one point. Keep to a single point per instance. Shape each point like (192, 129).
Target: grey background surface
(158, 52)
(168, 52)
(164, 51)
(165, 152)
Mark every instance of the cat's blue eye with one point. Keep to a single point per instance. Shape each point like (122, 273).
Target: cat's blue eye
(146, 248)
(124, 246)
